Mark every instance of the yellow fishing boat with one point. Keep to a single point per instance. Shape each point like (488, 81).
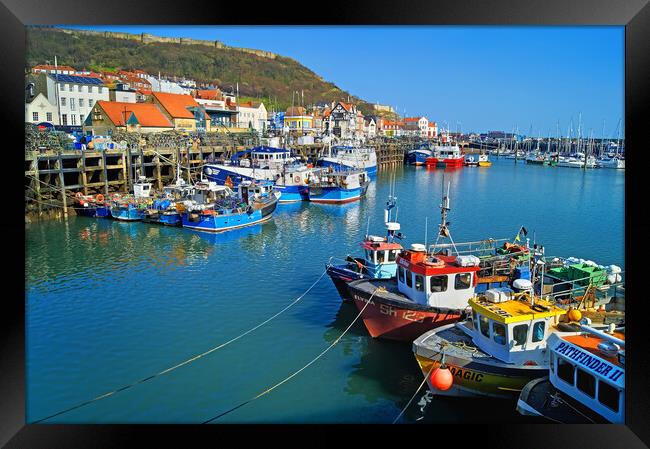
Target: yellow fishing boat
(483, 161)
(498, 349)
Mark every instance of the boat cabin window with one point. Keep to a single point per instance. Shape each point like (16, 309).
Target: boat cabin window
(519, 334)
(484, 325)
(586, 383)
(419, 282)
(400, 273)
(499, 333)
(438, 284)
(608, 395)
(565, 370)
(380, 256)
(392, 255)
(463, 281)
(409, 279)
(538, 331)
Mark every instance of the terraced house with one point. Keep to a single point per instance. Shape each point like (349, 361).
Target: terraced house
(107, 117)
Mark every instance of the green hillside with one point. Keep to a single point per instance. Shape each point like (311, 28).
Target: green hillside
(271, 80)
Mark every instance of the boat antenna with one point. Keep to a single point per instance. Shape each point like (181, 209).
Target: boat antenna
(426, 225)
(368, 228)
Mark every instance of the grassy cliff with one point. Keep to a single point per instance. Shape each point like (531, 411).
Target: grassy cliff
(271, 79)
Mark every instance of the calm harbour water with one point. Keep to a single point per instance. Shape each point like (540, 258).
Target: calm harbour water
(109, 303)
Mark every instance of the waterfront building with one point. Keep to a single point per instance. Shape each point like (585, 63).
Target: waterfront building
(221, 109)
(297, 119)
(392, 128)
(370, 127)
(252, 115)
(107, 117)
(343, 120)
(432, 131)
(38, 109)
(416, 126)
(122, 93)
(73, 95)
(182, 110)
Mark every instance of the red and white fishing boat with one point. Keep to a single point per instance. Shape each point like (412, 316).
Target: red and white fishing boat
(431, 289)
(446, 156)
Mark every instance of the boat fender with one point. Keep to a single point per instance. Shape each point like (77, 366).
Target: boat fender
(296, 179)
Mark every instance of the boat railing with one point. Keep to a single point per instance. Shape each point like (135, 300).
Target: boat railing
(579, 291)
(340, 261)
(468, 247)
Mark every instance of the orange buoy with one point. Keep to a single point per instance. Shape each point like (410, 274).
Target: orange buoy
(441, 378)
(574, 315)
(100, 198)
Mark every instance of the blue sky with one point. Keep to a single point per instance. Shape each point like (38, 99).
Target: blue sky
(467, 78)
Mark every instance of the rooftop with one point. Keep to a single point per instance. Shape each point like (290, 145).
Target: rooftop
(147, 114)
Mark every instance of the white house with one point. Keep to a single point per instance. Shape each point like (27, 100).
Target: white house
(370, 127)
(166, 86)
(38, 109)
(122, 94)
(75, 96)
(416, 126)
(252, 115)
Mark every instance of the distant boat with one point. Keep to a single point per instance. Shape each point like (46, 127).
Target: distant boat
(346, 157)
(419, 155)
(615, 162)
(91, 206)
(337, 187)
(131, 207)
(483, 161)
(446, 156)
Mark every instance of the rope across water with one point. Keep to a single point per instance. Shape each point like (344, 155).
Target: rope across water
(190, 360)
(268, 390)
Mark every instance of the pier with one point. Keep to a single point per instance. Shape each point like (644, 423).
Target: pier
(55, 172)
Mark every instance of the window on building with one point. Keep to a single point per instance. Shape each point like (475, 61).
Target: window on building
(519, 334)
(72, 104)
(63, 101)
(484, 325)
(81, 102)
(49, 116)
(608, 395)
(586, 383)
(74, 119)
(81, 119)
(538, 331)
(499, 333)
(438, 284)
(565, 370)
(64, 119)
(35, 116)
(63, 86)
(400, 274)
(463, 281)
(419, 283)
(90, 103)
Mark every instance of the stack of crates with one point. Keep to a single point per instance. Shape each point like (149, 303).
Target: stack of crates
(594, 275)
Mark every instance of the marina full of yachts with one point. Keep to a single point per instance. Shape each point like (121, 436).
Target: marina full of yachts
(495, 319)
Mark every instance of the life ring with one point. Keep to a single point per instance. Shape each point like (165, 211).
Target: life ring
(100, 198)
(433, 262)
(78, 195)
(539, 308)
(296, 179)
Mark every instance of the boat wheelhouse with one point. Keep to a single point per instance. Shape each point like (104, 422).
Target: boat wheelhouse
(379, 260)
(338, 187)
(484, 161)
(347, 157)
(585, 382)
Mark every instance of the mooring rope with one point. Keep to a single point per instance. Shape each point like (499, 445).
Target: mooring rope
(196, 357)
(414, 394)
(268, 390)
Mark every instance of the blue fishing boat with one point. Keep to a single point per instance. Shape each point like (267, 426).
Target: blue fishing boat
(132, 207)
(163, 210)
(338, 187)
(90, 206)
(221, 210)
(419, 155)
(264, 163)
(347, 157)
(378, 261)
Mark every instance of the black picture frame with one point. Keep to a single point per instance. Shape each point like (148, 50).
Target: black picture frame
(634, 15)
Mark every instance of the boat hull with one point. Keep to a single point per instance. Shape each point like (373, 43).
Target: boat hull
(337, 195)
(126, 213)
(342, 165)
(418, 157)
(391, 320)
(221, 223)
(451, 162)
